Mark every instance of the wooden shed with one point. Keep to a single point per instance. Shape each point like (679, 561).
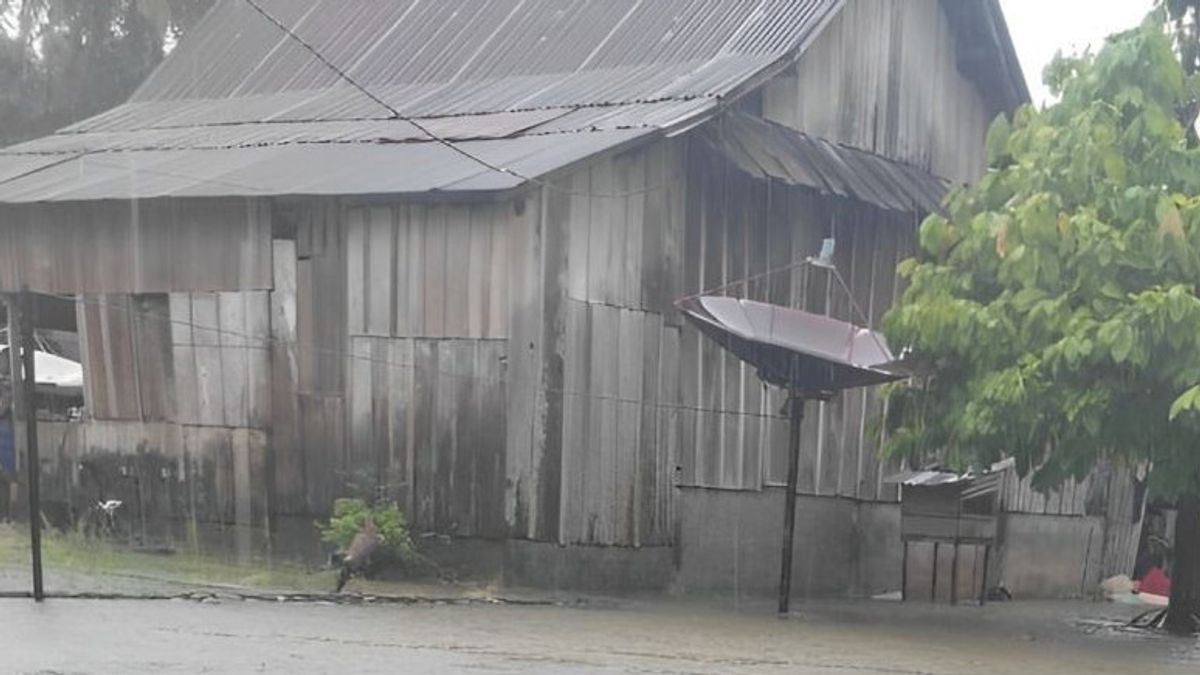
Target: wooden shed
(443, 269)
(945, 508)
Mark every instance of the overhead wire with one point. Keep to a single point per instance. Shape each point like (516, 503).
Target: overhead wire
(424, 129)
(265, 339)
(394, 113)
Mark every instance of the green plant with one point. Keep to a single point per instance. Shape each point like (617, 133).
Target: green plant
(349, 517)
(1054, 308)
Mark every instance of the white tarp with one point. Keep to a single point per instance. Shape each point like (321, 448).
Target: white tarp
(53, 370)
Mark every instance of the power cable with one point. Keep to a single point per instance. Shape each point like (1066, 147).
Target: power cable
(448, 144)
(251, 339)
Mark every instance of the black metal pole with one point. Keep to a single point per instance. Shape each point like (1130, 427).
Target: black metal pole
(796, 413)
(32, 462)
(984, 587)
(933, 582)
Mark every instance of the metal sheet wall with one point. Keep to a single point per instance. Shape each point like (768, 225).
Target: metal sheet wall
(428, 316)
(436, 271)
(883, 76)
(741, 232)
(192, 358)
(221, 355)
(167, 472)
(153, 246)
(308, 357)
(594, 355)
(427, 424)
(125, 347)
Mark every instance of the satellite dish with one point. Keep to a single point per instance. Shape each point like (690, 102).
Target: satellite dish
(800, 351)
(812, 356)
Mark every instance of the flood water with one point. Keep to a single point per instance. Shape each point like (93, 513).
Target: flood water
(589, 636)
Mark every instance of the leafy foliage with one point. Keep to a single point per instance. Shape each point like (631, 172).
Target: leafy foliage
(350, 515)
(1055, 304)
(1185, 20)
(64, 60)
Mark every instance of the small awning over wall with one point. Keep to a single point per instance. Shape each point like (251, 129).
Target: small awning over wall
(764, 148)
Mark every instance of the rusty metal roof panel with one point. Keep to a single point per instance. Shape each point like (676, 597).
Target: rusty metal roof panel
(760, 147)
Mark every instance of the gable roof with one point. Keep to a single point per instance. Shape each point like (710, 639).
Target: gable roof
(240, 108)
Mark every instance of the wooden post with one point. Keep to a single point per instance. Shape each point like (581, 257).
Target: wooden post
(32, 463)
(796, 410)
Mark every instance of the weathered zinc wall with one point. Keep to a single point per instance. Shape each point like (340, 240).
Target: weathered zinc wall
(430, 306)
(740, 227)
(594, 358)
(308, 363)
(884, 77)
(170, 300)
(148, 246)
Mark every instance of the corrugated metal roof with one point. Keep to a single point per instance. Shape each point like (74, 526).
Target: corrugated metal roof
(973, 484)
(760, 147)
(927, 478)
(235, 52)
(303, 169)
(241, 108)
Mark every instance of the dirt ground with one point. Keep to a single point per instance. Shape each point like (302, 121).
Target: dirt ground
(593, 636)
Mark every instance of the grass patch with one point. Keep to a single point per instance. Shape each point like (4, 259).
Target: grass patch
(75, 554)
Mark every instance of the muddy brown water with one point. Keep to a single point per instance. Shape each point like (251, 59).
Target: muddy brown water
(589, 635)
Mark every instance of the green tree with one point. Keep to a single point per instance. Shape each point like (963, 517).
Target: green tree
(1183, 15)
(64, 60)
(1055, 305)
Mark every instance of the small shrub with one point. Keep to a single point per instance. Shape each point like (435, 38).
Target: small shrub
(349, 516)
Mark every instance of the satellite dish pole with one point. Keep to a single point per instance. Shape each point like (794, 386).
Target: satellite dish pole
(811, 356)
(795, 406)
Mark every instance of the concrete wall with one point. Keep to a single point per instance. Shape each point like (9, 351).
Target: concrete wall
(1051, 556)
(729, 542)
(596, 569)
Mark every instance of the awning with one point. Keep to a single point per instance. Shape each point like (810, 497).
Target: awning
(763, 148)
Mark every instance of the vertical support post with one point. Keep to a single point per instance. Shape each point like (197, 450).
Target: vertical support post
(904, 573)
(17, 406)
(954, 575)
(987, 549)
(32, 463)
(796, 413)
(933, 583)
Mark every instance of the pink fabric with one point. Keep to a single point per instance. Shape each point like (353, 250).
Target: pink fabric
(1156, 582)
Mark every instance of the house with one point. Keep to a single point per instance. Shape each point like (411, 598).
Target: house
(430, 250)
